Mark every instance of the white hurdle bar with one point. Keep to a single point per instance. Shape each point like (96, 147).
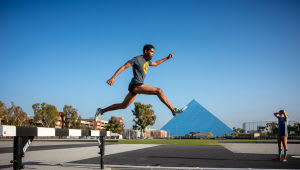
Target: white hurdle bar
(23, 136)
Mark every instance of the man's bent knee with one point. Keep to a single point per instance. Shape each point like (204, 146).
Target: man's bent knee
(159, 91)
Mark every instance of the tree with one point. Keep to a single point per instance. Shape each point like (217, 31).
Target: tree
(144, 116)
(71, 117)
(297, 128)
(13, 115)
(235, 134)
(210, 134)
(294, 129)
(240, 130)
(19, 118)
(114, 125)
(234, 129)
(237, 131)
(45, 115)
(273, 127)
(78, 123)
(5, 114)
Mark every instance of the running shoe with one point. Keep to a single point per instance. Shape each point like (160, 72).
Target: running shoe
(98, 113)
(177, 111)
(284, 159)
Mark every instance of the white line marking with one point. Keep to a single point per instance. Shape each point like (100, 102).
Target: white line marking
(150, 167)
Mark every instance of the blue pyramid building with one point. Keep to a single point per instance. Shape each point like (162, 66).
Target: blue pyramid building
(196, 119)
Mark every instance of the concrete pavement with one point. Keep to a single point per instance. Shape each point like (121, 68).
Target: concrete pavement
(78, 155)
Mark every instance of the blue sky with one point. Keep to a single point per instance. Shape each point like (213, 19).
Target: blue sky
(238, 59)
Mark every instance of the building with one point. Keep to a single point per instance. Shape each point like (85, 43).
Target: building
(132, 134)
(248, 136)
(91, 124)
(149, 133)
(103, 123)
(154, 133)
(88, 123)
(259, 126)
(196, 119)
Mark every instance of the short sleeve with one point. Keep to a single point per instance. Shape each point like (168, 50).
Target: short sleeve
(132, 61)
(150, 63)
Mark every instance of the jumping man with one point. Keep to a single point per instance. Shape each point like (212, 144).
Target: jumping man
(140, 66)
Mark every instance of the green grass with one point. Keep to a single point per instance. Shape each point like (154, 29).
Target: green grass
(254, 141)
(191, 141)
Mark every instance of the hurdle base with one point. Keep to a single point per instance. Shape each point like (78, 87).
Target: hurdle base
(21, 144)
(101, 153)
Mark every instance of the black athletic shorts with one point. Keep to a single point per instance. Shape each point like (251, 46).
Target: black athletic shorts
(132, 86)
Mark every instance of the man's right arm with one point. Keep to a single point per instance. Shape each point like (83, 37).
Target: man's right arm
(111, 81)
(276, 114)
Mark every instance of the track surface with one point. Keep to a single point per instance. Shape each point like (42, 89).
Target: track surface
(194, 156)
(50, 155)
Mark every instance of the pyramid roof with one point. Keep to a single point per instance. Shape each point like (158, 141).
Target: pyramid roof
(196, 119)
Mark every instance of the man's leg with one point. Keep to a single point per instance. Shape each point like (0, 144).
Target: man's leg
(127, 101)
(147, 89)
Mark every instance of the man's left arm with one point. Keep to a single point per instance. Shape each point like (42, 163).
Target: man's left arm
(156, 63)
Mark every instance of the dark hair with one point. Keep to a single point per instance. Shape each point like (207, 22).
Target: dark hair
(147, 47)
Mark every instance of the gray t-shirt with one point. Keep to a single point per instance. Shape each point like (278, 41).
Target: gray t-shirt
(139, 68)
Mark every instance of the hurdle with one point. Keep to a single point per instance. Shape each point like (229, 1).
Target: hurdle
(23, 137)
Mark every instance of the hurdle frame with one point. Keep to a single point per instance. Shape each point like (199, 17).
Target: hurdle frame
(23, 137)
